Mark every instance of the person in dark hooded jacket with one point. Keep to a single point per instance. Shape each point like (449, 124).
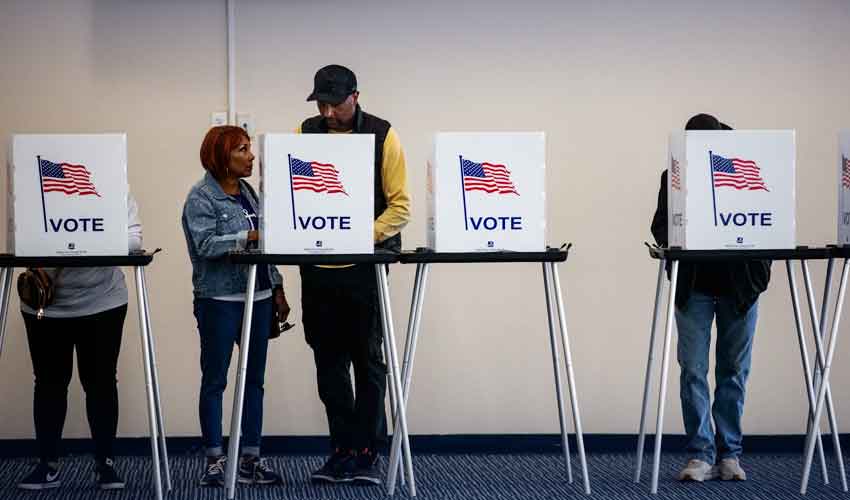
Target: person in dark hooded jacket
(729, 292)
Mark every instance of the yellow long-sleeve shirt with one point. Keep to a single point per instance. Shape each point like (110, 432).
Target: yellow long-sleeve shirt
(394, 183)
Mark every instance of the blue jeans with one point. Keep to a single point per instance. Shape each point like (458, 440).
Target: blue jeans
(220, 327)
(733, 355)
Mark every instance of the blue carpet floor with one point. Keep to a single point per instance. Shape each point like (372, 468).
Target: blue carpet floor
(445, 476)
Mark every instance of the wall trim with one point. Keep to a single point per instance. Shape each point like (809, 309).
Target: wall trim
(432, 443)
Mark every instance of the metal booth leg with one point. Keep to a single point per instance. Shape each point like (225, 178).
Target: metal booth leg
(804, 356)
(830, 408)
(662, 391)
(146, 355)
(556, 366)
(571, 383)
(163, 449)
(6, 284)
(393, 367)
(659, 284)
(404, 364)
(239, 394)
(412, 338)
(810, 443)
(394, 402)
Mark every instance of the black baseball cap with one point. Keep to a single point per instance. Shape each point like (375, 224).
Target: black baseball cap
(703, 121)
(333, 84)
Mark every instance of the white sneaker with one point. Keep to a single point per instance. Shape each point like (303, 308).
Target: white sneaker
(730, 470)
(697, 470)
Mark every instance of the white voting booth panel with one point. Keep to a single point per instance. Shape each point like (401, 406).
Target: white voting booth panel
(844, 187)
(732, 189)
(318, 193)
(486, 192)
(68, 195)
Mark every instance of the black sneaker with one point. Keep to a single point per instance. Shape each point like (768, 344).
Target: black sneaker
(366, 469)
(255, 470)
(214, 473)
(106, 477)
(43, 477)
(332, 471)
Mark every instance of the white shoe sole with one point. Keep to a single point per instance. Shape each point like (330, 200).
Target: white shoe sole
(323, 479)
(245, 480)
(39, 487)
(698, 478)
(366, 481)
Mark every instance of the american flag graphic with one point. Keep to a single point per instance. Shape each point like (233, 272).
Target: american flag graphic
(675, 174)
(737, 173)
(845, 172)
(315, 176)
(488, 177)
(66, 178)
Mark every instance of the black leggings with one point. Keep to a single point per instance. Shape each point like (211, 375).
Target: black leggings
(97, 339)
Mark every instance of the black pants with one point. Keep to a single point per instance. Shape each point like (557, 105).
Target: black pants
(52, 341)
(342, 325)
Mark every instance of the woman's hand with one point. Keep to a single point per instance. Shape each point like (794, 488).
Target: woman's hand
(281, 307)
(253, 235)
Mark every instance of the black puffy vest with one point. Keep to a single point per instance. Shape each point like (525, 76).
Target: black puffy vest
(364, 123)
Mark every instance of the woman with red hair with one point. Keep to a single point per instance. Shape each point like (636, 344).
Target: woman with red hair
(220, 216)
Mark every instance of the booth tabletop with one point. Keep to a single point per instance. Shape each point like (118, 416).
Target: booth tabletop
(425, 256)
(312, 259)
(799, 253)
(840, 251)
(132, 260)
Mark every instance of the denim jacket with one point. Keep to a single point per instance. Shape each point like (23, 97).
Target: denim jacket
(214, 225)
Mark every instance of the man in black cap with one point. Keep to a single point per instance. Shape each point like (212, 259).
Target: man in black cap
(340, 307)
(725, 292)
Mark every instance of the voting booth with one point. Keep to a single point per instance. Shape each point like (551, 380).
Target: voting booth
(318, 193)
(486, 205)
(731, 200)
(67, 208)
(486, 192)
(844, 187)
(68, 195)
(731, 190)
(318, 208)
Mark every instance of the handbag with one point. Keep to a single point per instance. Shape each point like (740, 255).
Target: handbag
(37, 289)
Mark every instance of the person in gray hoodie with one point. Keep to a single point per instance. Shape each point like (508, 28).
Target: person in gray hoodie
(86, 316)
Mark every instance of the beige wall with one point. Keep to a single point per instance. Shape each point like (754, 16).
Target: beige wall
(607, 81)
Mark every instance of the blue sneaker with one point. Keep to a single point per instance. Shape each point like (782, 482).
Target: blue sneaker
(43, 477)
(214, 473)
(255, 470)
